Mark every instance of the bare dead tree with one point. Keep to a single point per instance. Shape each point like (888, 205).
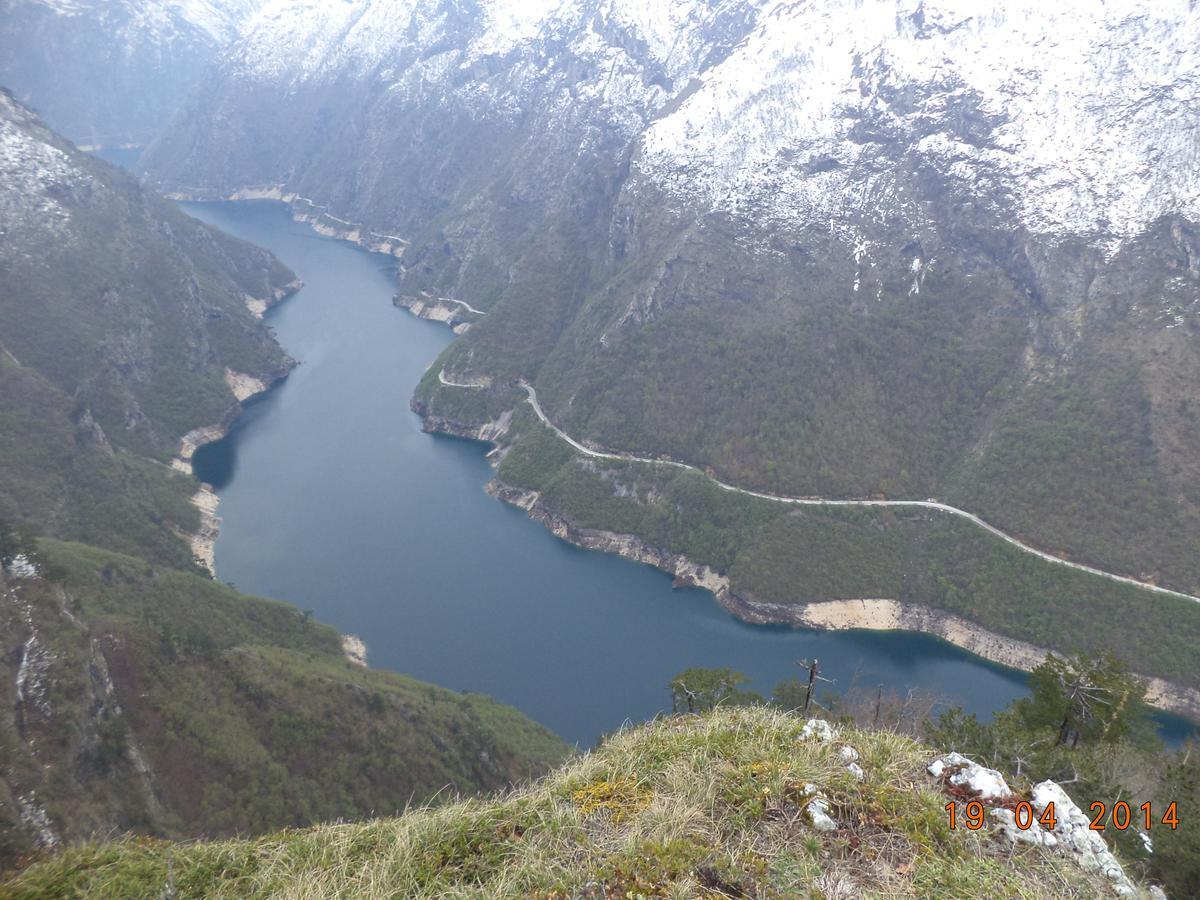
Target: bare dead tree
(813, 677)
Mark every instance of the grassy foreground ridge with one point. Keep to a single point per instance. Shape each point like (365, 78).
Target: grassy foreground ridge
(711, 805)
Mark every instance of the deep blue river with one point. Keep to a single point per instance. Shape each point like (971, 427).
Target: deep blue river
(333, 499)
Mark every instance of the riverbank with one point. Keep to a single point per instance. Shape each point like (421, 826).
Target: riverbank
(258, 306)
(302, 209)
(205, 500)
(873, 614)
(244, 388)
(458, 315)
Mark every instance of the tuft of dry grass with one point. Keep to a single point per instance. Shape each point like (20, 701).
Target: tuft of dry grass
(696, 806)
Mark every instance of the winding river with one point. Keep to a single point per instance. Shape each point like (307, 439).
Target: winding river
(334, 499)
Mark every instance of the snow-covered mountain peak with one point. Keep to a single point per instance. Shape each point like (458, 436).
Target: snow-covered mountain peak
(1087, 113)
(510, 23)
(294, 40)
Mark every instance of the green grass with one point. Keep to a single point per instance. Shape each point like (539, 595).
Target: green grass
(681, 807)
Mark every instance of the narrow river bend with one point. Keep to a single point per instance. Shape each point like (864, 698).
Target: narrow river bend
(333, 499)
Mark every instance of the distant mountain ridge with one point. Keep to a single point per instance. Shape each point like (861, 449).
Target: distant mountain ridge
(111, 72)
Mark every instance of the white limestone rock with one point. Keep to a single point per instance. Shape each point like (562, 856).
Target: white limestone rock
(21, 566)
(1076, 837)
(818, 730)
(982, 783)
(817, 809)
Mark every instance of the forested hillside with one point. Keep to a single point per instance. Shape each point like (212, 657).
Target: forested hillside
(140, 698)
(122, 322)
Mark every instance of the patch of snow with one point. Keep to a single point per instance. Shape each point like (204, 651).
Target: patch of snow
(510, 23)
(1083, 113)
(34, 174)
(161, 20)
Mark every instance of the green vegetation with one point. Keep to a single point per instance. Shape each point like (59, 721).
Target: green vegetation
(776, 553)
(475, 406)
(1085, 726)
(1052, 402)
(119, 316)
(1177, 853)
(699, 690)
(711, 805)
(57, 476)
(175, 706)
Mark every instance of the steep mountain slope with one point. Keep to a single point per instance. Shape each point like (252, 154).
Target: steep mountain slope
(111, 72)
(137, 698)
(894, 248)
(138, 695)
(123, 324)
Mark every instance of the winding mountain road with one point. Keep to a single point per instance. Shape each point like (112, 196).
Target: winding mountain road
(471, 385)
(531, 394)
(464, 304)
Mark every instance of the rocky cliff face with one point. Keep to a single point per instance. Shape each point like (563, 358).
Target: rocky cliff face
(111, 72)
(911, 248)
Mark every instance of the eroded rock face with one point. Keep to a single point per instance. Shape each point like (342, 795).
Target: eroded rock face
(1077, 838)
(355, 649)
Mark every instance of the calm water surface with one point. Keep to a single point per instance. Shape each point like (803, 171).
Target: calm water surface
(332, 498)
